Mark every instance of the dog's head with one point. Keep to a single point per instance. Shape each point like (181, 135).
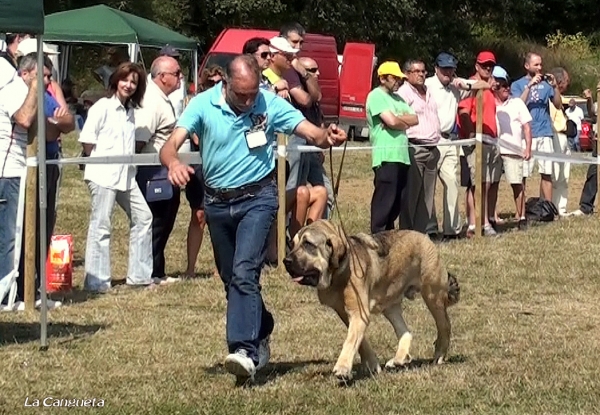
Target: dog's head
(317, 253)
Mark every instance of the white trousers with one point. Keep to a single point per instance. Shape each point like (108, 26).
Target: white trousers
(448, 172)
(560, 174)
(97, 253)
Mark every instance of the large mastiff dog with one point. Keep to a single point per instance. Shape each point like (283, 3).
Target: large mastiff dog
(369, 274)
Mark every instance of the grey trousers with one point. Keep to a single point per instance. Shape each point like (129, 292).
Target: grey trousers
(419, 193)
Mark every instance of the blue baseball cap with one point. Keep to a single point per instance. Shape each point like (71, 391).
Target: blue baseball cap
(500, 73)
(446, 60)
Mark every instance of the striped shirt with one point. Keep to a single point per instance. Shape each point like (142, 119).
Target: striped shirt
(428, 129)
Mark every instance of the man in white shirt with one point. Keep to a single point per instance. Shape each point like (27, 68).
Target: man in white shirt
(154, 123)
(514, 124)
(444, 88)
(575, 114)
(18, 110)
(590, 188)
(176, 97)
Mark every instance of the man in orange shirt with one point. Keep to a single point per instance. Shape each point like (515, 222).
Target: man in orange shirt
(467, 118)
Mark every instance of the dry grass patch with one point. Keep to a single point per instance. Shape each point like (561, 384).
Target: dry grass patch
(524, 339)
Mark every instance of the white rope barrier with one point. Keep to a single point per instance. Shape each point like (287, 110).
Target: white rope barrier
(194, 158)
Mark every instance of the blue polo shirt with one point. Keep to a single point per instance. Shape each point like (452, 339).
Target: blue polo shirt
(538, 102)
(227, 161)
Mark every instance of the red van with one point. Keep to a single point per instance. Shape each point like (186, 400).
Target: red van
(322, 49)
(357, 76)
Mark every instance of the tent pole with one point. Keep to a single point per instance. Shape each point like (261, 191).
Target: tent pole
(195, 66)
(42, 195)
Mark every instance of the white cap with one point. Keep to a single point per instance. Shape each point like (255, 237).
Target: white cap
(28, 46)
(280, 44)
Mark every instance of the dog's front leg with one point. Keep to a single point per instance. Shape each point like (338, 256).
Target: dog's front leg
(357, 326)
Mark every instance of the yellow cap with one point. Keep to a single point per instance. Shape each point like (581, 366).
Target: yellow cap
(390, 68)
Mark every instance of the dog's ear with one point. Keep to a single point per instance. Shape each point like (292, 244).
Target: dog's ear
(338, 245)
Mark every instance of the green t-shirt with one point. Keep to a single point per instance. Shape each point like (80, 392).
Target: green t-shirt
(389, 145)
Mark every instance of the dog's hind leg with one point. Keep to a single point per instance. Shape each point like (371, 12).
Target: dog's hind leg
(436, 298)
(394, 316)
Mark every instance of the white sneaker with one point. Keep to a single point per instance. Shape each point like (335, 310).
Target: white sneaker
(20, 305)
(165, 280)
(264, 353)
(578, 212)
(240, 365)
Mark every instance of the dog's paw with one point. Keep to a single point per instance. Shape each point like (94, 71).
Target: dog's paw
(398, 363)
(438, 360)
(373, 367)
(342, 373)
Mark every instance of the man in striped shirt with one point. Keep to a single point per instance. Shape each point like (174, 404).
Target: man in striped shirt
(424, 156)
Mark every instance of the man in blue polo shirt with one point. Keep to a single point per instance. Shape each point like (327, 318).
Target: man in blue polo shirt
(236, 124)
(538, 91)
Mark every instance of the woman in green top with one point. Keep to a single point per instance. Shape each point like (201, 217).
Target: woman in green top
(388, 117)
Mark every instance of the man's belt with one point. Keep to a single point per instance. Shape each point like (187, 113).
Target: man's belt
(228, 194)
(427, 147)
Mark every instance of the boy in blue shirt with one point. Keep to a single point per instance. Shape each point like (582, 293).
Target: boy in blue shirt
(538, 91)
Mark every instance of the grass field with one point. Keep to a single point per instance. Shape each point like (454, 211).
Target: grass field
(525, 333)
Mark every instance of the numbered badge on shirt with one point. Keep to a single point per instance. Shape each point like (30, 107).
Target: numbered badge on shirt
(256, 138)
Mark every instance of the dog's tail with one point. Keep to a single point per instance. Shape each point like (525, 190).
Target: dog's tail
(453, 290)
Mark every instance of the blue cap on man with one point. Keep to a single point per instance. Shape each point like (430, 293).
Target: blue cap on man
(500, 73)
(446, 60)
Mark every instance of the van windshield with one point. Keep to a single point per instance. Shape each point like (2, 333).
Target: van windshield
(219, 59)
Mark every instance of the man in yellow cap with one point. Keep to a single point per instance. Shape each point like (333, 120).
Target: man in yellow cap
(388, 117)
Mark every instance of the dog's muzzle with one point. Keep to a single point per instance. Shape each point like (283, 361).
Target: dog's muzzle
(308, 277)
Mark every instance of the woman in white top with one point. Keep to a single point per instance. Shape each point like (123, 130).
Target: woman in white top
(109, 130)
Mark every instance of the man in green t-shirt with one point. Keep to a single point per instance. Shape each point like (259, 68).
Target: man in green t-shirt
(388, 117)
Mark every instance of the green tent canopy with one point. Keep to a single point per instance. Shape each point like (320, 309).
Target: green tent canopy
(102, 24)
(22, 16)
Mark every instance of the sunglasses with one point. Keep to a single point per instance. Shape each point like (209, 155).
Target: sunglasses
(312, 70)
(176, 73)
(265, 55)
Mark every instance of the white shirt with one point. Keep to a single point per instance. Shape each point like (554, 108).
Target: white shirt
(576, 115)
(13, 141)
(111, 128)
(7, 73)
(155, 120)
(446, 99)
(511, 116)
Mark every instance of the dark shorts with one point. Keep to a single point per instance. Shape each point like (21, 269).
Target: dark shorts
(465, 172)
(194, 190)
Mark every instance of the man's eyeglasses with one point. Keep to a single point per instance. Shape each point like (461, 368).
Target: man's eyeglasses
(265, 55)
(312, 70)
(176, 73)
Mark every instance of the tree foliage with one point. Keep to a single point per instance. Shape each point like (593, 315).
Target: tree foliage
(399, 28)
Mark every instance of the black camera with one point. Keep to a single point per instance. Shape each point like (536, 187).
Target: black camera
(547, 78)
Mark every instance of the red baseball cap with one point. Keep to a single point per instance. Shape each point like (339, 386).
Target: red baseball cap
(486, 56)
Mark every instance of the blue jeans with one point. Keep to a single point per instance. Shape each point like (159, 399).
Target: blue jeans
(9, 203)
(574, 142)
(239, 229)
